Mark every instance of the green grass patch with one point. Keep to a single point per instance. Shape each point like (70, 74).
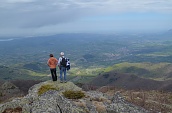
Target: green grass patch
(45, 88)
(32, 73)
(73, 94)
(91, 71)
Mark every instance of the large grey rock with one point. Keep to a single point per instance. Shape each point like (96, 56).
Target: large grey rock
(119, 105)
(53, 101)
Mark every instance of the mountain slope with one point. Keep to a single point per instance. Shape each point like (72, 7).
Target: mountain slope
(130, 81)
(12, 73)
(161, 71)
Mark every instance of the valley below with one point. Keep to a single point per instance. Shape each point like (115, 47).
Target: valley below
(137, 65)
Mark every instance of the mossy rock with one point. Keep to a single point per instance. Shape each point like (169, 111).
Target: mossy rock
(45, 88)
(60, 87)
(73, 94)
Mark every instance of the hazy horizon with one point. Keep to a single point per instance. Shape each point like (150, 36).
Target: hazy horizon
(26, 18)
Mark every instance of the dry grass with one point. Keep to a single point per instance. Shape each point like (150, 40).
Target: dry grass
(155, 101)
(11, 110)
(80, 104)
(99, 107)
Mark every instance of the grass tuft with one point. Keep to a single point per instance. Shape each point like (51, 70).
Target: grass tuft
(45, 88)
(73, 94)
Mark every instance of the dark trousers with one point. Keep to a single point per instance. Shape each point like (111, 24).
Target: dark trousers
(53, 74)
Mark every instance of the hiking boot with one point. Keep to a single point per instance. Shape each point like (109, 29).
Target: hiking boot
(61, 81)
(65, 81)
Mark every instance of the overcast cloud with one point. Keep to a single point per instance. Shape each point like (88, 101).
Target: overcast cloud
(43, 17)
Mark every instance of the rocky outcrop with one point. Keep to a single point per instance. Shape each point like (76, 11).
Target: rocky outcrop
(53, 101)
(8, 88)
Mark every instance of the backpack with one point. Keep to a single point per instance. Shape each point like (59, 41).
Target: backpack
(63, 62)
(67, 64)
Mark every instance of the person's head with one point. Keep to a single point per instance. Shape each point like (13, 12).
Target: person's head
(62, 54)
(51, 55)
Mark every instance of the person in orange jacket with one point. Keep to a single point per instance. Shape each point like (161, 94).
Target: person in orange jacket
(52, 63)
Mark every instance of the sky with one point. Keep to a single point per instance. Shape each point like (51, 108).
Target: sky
(24, 18)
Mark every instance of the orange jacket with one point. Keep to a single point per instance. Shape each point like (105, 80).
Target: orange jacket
(52, 62)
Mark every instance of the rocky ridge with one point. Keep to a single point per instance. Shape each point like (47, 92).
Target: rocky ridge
(8, 88)
(53, 101)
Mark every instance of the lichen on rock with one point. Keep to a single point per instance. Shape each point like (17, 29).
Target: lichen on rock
(52, 100)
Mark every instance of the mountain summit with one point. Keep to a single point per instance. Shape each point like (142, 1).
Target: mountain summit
(49, 96)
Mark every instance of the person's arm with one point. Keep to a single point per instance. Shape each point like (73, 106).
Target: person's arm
(59, 62)
(56, 62)
(48, 62)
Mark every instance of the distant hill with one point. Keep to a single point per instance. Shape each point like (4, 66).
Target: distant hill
(36, 66)
(130, 81)
(86, 50)
(157, 71)
(12, 73)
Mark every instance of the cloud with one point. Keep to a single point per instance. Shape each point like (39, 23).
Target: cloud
(34, 14)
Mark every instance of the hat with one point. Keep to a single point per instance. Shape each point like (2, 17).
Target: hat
(62, 53)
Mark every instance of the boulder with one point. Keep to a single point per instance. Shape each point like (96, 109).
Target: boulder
(53, 101)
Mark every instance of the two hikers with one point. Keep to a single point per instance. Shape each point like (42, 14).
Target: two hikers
(63, 64)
